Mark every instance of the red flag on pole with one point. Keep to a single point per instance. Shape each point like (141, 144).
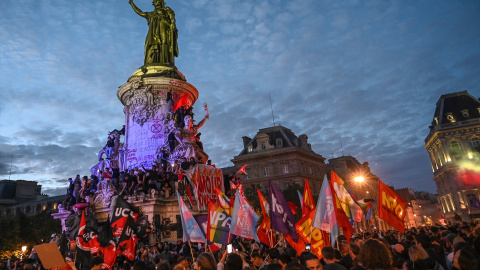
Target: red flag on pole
(391, 207)
(182, 101)
(308, 204)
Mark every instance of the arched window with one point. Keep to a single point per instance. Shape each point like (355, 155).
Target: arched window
(456, 147)
(475, 143)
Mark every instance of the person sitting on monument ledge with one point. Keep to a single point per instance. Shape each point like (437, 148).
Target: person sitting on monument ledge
(141, 187)
(131, 183)
(166, 190)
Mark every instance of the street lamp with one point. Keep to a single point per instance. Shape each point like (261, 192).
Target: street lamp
(359, 179)
(24, 248)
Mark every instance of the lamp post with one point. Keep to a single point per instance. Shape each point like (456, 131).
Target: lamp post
(24, 249)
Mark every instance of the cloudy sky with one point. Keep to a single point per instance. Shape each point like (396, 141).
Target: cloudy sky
(367, 73)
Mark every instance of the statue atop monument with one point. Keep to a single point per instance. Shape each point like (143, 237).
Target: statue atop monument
(161, 42)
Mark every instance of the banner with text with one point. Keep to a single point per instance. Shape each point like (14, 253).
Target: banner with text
(391, 207)
(205, 179)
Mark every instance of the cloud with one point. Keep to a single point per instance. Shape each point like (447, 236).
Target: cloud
(369, 73)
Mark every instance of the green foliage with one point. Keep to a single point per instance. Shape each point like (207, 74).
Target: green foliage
(21, 229)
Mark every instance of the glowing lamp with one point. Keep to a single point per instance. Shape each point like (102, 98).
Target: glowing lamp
(470, 156)
(359, 179)
(24, 248)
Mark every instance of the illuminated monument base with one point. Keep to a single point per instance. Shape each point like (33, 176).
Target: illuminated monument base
(148, 121)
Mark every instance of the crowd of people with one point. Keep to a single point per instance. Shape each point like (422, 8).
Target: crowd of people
(159, 180)
(433, 248)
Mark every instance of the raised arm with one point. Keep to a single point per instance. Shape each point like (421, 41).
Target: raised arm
(137, 10)
(200, 124)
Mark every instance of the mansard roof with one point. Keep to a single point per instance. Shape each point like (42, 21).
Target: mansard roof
(456, 107)
(275, 133)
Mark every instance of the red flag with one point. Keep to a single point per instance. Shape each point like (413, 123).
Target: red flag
(242, 170)
(265, 233)
(182, 101)
(126, 243)
(293, 207)
(109, 256)
(299, 246)
(391, 207)
(81, 242)
(308, 204)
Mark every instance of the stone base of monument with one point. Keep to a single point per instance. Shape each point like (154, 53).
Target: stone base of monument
(162, 214)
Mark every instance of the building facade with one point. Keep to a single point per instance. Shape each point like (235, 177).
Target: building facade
(276, 153)
(423, 208)
(25, 196)
(453, 145)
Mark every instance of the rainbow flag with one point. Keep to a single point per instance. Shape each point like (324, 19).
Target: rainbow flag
(218, 225)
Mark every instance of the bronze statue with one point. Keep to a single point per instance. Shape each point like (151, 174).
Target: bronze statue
(161, 43)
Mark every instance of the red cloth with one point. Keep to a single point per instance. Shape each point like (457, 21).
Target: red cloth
(391, 207)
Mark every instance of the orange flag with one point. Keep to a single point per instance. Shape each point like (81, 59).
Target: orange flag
(391, 207)
(310, 234)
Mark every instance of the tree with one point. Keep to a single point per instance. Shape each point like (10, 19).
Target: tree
(21, 229)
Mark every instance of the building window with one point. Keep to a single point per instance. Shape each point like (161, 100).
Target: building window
(472, 199)
(264, 145)
(456, 147)
(465, 113)
(250, 148)
(474, 143)
(248, 173)
(285, 168)
(265, 171)
(279, 143)
(310, 169)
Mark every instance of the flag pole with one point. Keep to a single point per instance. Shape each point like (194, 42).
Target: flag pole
(191, 251)
(268, 256)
